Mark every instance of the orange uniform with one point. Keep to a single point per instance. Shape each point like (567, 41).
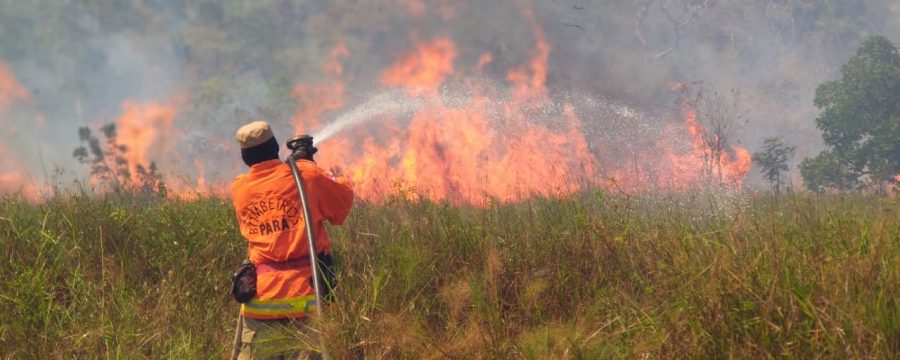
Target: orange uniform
(271, 219)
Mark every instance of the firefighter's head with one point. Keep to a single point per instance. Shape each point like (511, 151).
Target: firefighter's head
(257, 142)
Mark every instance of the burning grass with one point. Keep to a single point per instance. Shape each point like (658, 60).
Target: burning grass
(591, 275)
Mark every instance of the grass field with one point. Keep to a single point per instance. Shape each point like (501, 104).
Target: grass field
(594, 275)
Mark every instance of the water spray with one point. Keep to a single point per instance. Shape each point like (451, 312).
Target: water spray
(389, 102)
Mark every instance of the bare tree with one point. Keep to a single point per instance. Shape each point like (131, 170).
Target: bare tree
(679, 13)
(719, 117)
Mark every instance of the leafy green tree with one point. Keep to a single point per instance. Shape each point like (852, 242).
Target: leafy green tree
(826, 171)
(773, 160)
(860, 121)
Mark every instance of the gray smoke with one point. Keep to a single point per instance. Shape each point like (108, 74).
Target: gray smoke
(225, 62)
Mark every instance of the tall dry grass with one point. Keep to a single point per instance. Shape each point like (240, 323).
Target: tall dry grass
(589, 276)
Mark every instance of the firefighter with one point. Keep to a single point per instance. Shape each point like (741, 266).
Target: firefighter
(275, 321)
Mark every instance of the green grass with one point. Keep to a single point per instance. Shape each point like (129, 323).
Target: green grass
(591, 276)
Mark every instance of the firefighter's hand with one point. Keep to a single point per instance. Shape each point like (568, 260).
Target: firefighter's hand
(336, 172)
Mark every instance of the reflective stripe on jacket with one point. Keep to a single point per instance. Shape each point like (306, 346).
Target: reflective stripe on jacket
(271, 219)
(295, 306)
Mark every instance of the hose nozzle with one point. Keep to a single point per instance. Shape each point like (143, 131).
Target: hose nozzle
(302, 147)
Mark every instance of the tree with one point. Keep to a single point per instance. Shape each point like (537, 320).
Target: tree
(679, 15)
(108, 164)
(860, 120)
(719, 117)
(773, 160)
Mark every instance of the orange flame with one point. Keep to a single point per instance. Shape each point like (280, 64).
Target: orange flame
(416, 7)
(148, 131)
(316, 99)
(454, 152)
(10, 89)
(333, 65)
(893, 186)
(145, 129)
(699, 164)
(463, 152)
(483, 60)
(187, 189)
(528, 80)
(14, 177)
(423, 69)
(16, 182)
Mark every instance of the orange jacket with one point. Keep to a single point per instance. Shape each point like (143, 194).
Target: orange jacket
(271, 219)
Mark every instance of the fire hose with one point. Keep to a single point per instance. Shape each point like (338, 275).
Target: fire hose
(302, 147)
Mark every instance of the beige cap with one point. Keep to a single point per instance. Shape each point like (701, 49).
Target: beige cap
(253, 134)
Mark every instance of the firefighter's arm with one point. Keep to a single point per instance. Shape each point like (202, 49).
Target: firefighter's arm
(334, 196)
